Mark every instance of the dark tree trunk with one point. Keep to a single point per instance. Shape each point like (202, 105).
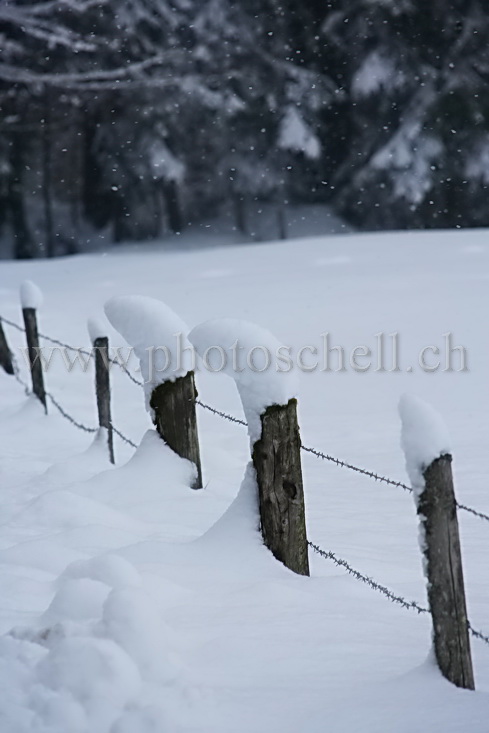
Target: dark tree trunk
(98, 203)
(281, 221)
(23, 243)
(240, 213)
(47, 192)
(173, 206)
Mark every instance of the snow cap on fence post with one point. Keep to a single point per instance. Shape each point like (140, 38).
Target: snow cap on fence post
(31, 299)
(158, 338)
(250, 355)
(150, 327)
(30, 295)
(97, 328)
(268, 397)
(426, 446)
(424, 438)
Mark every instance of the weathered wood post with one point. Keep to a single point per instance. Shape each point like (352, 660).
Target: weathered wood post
(277, 461)
(31, 299)
(446, 594)
(5, 353)
(429, 467)
(102, 381)
(175, 418)
(102, 386)
(271, 413)
(154, 330)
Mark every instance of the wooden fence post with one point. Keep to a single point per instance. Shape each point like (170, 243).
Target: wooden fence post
(30, 322)
(437, 510)
(5, 353)
(102, 388)
(149, 326)
(277, 461)
(175, 419)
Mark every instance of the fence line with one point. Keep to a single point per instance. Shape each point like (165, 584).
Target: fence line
(63, 412)
(57, 342)
(344, 464)
(393, 597)
(313, 451)
(123, 437)
(68, 417)
(325, 554)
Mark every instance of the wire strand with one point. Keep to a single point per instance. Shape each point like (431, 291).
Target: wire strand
(325, 554)
(313, 451)
(389, 594)
(344, 464)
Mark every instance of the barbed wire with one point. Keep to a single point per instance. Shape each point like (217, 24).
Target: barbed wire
(478, 634)
(80, 425)
(61, 409)
(325, 554)
(75, 349)
(393, 597)
(68, 417)
(344, 464)
(389, 594)
(221, 414)
(123, 437)
(351, 467)
(313, 451)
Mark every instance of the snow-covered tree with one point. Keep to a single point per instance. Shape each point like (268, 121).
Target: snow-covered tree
(414, 75)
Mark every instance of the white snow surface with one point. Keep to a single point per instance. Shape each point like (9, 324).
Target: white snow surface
(254, 366)
(151, 328)
(30, 295)
(424, 438)
(130, 603)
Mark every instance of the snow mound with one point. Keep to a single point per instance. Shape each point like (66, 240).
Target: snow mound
(424, 437)
(30, 295)
(251, 360)
(157, 335)
(97, 660)
(112, 570)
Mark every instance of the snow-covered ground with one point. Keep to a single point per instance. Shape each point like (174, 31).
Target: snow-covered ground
(140, 606)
